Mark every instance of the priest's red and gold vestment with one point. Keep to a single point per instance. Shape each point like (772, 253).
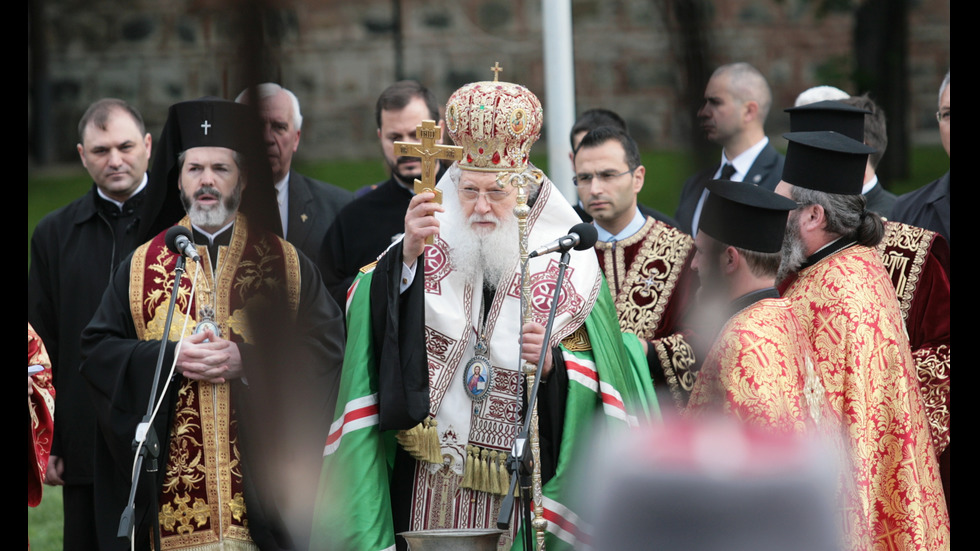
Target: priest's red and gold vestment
(650, 277)
(762, 370)
(847, 304)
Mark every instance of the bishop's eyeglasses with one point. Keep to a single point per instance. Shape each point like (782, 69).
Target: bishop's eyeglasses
(472, 194)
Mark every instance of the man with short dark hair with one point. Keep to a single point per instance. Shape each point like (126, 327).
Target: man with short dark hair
(366, 227)
(73, 252)
(736, 104)
(250, 369)
(307, 207)
(589, 121)
(647, 263)
(844, 298)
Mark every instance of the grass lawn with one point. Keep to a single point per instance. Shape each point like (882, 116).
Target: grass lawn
(44, 521)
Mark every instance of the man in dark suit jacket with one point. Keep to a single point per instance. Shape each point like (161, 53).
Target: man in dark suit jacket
(736, 103)
(376, 218)
(928, 206)
(307, 207)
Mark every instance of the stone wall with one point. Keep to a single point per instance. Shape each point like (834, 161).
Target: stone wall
(339, 55)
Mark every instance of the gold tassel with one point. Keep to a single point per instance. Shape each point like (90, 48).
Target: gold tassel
(481, 471)
(411, 440)
(422, 441)
(504, 476)
(468, 468)
(492, 474)
(436, 444)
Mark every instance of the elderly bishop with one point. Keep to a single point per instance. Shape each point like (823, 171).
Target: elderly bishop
(431, 397)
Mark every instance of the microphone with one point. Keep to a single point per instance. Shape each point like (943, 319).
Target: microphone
(178, 240)
(581, 237)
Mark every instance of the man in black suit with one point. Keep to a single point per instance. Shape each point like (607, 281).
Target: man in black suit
(376, 218)
(736, 103)
(307, 207)
(928, 206)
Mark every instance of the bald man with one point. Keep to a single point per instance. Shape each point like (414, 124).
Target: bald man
(736, 104)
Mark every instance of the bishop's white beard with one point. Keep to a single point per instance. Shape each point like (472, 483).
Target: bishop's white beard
(794, 252)
(494, 253)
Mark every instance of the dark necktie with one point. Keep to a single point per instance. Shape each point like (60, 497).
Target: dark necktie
(726, 171)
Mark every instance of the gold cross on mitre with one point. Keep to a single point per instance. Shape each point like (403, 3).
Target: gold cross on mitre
(429, 151)
(496, 70)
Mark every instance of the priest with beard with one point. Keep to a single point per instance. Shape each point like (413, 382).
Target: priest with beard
(249, 371)
(414, 446)
(843, 296)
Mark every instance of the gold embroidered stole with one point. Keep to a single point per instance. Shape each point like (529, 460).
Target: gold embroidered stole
(904, 251)
(645, 272)
(201, 500)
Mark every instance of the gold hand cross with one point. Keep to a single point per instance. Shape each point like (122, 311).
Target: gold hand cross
(429, 151)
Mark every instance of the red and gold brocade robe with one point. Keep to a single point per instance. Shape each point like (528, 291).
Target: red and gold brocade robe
(847, 305)
(40, 410)
(650, 278)
(916, 260)
(202, 497)
(762, 371)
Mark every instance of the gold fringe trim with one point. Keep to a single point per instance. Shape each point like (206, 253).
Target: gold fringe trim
(422, 441)
(486, 471)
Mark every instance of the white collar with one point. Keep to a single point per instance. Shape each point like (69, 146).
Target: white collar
(743, 163)
(634, 226)
(120, 203)
(282, 199)
(212, 236)
(869, 185)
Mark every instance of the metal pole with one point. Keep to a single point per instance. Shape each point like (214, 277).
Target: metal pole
(559, 88)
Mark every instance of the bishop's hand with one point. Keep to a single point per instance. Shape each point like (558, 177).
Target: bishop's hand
(420, 223)
(531, 349)
(216, 361)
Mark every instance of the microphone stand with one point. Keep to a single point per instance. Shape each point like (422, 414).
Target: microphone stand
(148, 447)
(520, 463)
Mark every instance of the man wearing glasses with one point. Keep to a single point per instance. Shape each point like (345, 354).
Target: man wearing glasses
(647, 263)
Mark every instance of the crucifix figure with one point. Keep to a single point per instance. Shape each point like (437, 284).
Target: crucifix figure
(429, 151)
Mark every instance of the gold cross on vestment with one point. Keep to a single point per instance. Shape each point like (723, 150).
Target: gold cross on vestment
(429, 151)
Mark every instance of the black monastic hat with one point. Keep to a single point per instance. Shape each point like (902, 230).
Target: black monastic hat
(749, 217)
(214, 122)
(828, 115)
(826, 161)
